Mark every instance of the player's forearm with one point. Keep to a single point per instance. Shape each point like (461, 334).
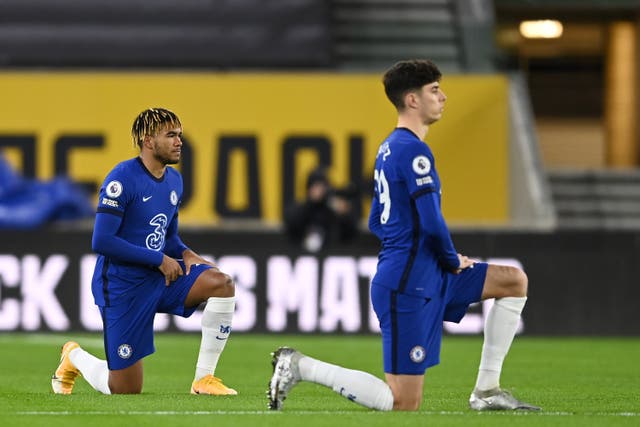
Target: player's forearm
(175, 247)
(120, 250)
(435, 228)
(374, 219)
(447, 254)
(106, 242)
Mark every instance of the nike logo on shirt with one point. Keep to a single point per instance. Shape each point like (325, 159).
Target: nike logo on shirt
(144, 199)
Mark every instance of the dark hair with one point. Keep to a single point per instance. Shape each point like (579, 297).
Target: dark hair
(406, 76)
(317, 175)
(151, 121)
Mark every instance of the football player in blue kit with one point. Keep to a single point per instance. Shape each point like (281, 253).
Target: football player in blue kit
(421, 280)
(144, 268)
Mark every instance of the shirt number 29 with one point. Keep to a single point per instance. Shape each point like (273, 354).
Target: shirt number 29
(383, 195)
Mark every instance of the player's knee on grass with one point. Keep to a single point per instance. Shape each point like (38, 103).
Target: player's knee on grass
(123, 385)
(407, 402)
(125, 390)
(407, 395)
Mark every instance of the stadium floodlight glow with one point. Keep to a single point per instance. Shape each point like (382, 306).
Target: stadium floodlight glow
(541, 29)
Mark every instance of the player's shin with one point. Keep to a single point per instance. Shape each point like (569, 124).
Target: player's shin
(216, 327)
(94, 370)
(500, 328)
(358, 386)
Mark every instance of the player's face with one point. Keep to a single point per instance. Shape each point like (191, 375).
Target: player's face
(432, 100)
(167, 145)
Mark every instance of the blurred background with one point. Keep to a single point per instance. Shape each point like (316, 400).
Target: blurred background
(538, 149)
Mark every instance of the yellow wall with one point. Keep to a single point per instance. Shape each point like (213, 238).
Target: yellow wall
(470, 143)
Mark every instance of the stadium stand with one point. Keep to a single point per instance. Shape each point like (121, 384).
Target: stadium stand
(346, 35)
(456, 35)
(597, 198)
(164, 33)
(583, 93)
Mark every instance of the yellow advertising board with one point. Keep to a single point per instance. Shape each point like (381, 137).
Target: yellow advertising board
(252, 138)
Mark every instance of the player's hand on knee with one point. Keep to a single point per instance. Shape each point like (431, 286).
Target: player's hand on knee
(465, 262)
(191, 258)
(171, 269)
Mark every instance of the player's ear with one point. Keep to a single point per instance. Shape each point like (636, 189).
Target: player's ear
(146, 141)
(411, 99)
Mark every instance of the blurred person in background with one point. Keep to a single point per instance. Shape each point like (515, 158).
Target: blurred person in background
(326, 216)
(144, 268)
(31, 203)
(421, 280)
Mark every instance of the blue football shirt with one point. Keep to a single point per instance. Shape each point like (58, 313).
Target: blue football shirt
(139, 213)
(405, 215)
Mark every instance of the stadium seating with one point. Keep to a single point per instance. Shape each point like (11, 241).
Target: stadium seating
(608, 199)
(456, 35)
(164, 33)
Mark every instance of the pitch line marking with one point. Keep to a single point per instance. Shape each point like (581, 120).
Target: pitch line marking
(420, 413)
(39, 339)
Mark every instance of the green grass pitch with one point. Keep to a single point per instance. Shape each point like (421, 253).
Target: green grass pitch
(577, 381)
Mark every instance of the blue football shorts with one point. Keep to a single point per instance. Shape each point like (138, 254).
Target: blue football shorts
(411, 326)
(128, 326)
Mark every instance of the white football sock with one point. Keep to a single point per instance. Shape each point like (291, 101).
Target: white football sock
(358, 386)
(499, 330)
(216, 327)
(94, 370)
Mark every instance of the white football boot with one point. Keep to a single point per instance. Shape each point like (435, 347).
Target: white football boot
(497, 399)
(286, 375)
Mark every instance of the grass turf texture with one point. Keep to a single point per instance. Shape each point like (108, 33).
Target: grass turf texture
(577, 381)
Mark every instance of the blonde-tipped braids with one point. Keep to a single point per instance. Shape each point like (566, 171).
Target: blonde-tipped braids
(151, 121)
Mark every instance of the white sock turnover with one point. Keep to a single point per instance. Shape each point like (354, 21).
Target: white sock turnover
(94, 370)
(499, 330)
(216, 327)
(358, 386)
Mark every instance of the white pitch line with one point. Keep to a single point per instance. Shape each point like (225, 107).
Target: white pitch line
(421, 413)
(56, 340)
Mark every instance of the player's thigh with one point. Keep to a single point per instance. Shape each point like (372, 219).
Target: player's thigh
(128, 330)
(407, 391)
(504, 281)
(183, 296)
(209, 282)
(127, 380)
(175, 297)
(462, 290)
(411, 329)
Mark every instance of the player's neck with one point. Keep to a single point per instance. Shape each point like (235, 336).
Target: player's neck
(154, 167)
(415, 126)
